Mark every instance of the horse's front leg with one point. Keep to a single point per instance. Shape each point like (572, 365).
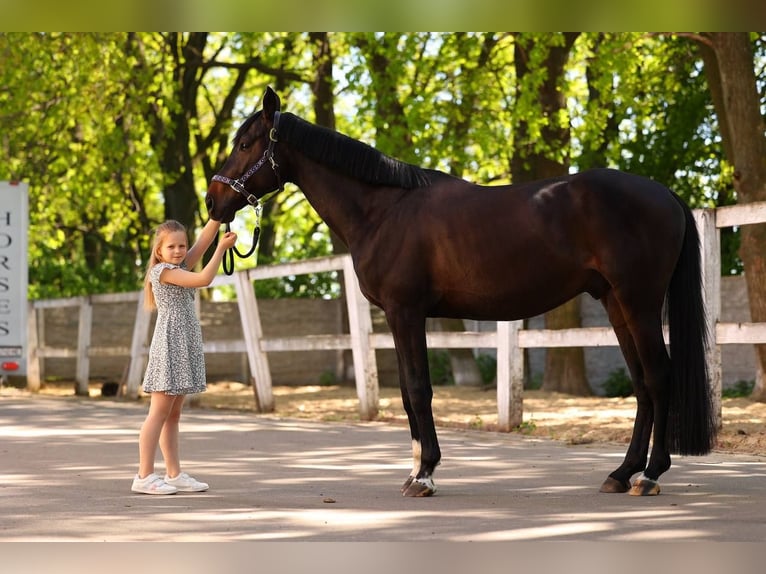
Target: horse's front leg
(415, 383)
(414, 432)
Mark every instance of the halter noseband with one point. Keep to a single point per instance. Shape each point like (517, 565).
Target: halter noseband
(238, 184)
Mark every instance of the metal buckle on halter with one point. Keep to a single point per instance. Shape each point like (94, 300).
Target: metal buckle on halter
(239, 187)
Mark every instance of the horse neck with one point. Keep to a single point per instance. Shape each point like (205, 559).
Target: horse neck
(348, 206)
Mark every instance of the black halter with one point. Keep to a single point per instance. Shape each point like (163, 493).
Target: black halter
(238, 184)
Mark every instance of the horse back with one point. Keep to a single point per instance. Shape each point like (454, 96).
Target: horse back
(507, 252)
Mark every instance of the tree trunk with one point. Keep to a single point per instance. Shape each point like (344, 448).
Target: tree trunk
(564, 368)
(180, 195)
(751, 251)
(730, 71)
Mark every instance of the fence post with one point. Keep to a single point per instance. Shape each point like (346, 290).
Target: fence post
(360, 329)
(510, 376)
(83, 345)
(710, 257)
(34, 378)
(253, 333)
(137, 348)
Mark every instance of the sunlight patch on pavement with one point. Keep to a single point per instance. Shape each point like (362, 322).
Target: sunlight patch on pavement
(660, 534)
(665, 515)
(29, 432)
(17, 479)
(331, 517)
(353, 467)
(538, 532)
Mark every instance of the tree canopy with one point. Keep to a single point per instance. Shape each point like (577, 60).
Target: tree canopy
(117, 131)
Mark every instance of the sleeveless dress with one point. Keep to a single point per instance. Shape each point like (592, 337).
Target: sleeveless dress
(176, 363)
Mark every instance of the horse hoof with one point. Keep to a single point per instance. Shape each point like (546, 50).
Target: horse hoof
(645, 487)
(419, 487)
(614, 486)
(407, 483)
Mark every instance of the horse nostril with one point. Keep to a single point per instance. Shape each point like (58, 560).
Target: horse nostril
(209, 203)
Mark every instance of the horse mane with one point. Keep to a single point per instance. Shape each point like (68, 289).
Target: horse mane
(347, 155)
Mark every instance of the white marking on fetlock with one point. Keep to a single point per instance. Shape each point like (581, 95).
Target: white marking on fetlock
(645, 486)
(428, 482)
(643, 478)
(417, 451)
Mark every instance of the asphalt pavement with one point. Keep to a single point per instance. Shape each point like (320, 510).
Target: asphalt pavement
(66, 467)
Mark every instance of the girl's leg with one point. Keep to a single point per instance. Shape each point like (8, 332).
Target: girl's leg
(160, 406)
(169, 438)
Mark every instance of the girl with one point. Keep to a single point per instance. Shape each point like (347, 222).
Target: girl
(176, 365)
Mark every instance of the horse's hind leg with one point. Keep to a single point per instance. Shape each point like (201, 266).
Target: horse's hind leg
(650, 344)
(639, 329)
(636, 456)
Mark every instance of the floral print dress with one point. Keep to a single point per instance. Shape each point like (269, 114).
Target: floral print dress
(176, 363)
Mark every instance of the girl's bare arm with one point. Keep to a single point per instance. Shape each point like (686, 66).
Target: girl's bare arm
(203, 278)
(204, 240)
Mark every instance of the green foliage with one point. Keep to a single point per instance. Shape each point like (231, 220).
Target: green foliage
(487, 365)
(534, 382)
(618, 384)
(436, 100)
(440, 368)
(327, 379)
(649, 112)
(739, 389)
(477, 423)
(526, 427)
(73, 131)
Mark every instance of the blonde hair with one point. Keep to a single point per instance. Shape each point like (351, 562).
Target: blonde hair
(162, 231)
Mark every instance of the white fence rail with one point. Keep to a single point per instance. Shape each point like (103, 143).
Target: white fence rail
(510, 339)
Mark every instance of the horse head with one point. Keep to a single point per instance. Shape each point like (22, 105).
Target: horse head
(251, 170)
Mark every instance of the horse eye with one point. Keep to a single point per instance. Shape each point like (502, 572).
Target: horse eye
(243, 146)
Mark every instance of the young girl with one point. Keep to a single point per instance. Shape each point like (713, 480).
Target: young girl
(176, 365)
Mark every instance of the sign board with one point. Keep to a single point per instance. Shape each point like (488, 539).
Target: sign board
(14, 218)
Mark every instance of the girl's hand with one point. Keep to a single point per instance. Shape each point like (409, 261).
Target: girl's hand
(227, 240)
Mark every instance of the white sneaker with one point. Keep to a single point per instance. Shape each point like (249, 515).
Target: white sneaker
(152, 484)
(185, 483)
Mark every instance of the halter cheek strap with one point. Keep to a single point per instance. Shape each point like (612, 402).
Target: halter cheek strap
(238, 184)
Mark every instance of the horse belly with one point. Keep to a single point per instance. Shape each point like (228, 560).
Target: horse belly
(502, 297)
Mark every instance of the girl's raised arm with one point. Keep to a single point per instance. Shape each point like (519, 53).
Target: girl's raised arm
(204, 240)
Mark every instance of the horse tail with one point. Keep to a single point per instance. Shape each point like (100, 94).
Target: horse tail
(691, 422)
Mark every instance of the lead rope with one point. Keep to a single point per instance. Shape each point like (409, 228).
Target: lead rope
(228, 257)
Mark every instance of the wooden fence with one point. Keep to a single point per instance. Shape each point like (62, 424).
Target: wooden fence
(509, 339)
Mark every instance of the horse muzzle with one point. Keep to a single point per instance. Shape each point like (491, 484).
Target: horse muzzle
(222, 211)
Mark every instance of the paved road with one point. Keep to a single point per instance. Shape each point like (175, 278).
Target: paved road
(66, 467)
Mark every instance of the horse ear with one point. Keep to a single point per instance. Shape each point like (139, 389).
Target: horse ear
(271, 103)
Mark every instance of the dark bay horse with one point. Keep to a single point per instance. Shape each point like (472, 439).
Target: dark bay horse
(426, 244)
